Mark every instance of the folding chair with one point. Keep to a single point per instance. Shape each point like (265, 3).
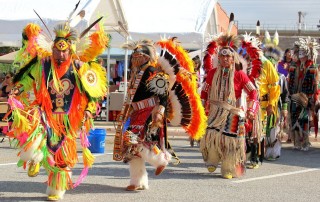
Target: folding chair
(3, 110)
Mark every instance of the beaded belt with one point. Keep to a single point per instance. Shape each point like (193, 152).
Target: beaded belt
(150, 102)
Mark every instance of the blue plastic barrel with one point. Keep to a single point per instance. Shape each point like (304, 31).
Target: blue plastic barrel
(97, 139)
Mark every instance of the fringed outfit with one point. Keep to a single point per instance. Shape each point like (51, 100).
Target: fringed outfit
(160, 87)
(46, 130)
(269, 92)
(143, 143)
(302, 89)
(225, 137)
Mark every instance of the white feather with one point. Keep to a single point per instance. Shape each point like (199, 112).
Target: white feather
(75, 20)
(44, 42)
(177, 116)
(168, 69)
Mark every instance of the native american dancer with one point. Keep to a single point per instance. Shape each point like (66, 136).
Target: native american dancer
(273, 128)
(250, 49)
(266, 79)
(67, 85)
(160, 89)
(303, 89)
(225, 137)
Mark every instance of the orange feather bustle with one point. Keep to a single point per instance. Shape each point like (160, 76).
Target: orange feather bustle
(198, 123)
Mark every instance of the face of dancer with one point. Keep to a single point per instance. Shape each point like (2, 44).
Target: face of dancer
(302, 56)
(60, 56)
(138, 59)
(226, 58)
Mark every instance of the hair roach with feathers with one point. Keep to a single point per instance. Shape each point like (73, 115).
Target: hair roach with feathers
(145, 46)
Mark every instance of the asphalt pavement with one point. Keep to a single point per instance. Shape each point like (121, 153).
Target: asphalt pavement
(294, 176)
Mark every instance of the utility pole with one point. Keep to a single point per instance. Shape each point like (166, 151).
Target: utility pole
(299, 23)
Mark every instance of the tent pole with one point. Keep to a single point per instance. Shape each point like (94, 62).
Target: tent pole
(108, 77)
(126, 69)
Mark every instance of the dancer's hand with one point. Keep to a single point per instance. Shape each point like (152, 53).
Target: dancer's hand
(250, 115)
(284, 113)
(87, 115)
(269, 110)
(158, 120)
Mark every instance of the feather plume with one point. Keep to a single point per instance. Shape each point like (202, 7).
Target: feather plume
(231, 23)
(267, 37)
(84, 32)
(74, 10)
(258, 28)
(276, 38)
(44, 24)
(74, 21)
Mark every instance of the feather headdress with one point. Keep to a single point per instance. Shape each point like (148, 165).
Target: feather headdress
(144, 46)
(271, 49)
(310, 46)
(37, 42)
(219, 42)
(251, 44)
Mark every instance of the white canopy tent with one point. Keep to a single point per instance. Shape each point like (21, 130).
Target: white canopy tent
(189, 20)
(16, 14)
(192, 21)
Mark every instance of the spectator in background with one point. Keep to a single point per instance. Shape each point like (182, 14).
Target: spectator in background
(284, 64)
(6, 86)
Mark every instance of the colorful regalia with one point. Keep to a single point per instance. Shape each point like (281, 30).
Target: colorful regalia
(224, 140)
(160, 89)
(66, 83)
(272, 127)
(303, 77)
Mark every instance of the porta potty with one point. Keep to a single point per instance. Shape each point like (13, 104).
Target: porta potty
(97, 139)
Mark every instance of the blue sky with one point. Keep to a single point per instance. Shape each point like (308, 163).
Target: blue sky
(273, 12)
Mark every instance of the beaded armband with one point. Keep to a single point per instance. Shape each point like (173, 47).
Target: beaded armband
(253, 106)
(205, 87)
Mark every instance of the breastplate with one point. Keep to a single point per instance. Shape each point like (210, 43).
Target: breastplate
(61, 98)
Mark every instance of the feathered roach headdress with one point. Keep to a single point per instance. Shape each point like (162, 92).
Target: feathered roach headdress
(144, 47)
(271, 49)
(310, 46)
(65, 37)
(251, 45)
(37, 42)
(227, 42)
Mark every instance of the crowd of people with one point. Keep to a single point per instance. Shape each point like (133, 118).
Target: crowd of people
(251, 93)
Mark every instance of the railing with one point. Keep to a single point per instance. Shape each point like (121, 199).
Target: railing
(279, 27)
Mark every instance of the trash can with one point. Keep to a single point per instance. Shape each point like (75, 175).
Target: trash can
(97, 139)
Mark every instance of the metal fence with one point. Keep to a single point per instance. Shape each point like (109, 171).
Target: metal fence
(279, 27)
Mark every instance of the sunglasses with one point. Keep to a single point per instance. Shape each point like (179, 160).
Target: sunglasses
(8, 77)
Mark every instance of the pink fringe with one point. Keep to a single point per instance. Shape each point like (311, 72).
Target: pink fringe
(51, 161)
(22, 138)
(14, 103)
(83, 174)
(84, 139)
